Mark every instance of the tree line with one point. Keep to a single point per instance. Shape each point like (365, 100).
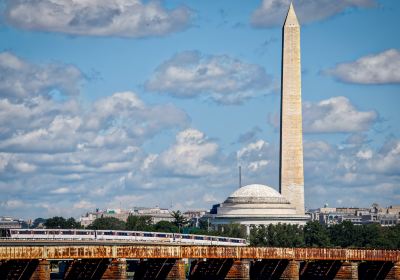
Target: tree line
(313, 234)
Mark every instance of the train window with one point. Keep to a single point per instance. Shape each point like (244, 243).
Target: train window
(147, 234)
(67, 232)
(199, 237)
(108, 233)
(161, 235)
(40, 232)
(186, 236)
(122, 233)
(81, 233)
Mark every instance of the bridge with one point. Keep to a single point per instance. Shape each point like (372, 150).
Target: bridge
(31, 260)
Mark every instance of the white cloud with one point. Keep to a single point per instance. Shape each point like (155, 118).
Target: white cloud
(191, 155)
(354, 174)
(13, 204)
(365, 154)
(84, 204)
(59, 136)
(119, 119)
(387, 161)
(381, 68)
(210, 198)
(336, 114)
(272, 12)
(255, 156)
(223, 79)
(62, 190)
(20, 79)
(125, 18)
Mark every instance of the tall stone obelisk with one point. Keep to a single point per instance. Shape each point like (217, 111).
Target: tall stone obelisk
(291, 157)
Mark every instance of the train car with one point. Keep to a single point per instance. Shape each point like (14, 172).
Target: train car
(119, 235)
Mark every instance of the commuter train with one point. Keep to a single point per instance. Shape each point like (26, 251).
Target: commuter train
(119, 235)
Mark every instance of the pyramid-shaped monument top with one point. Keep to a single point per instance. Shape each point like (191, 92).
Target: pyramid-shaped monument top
(291, 18)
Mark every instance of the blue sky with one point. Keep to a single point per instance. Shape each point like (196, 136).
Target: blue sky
(128, 103)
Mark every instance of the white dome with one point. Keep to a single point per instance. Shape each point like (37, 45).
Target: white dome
(256, 194)
(256, 191)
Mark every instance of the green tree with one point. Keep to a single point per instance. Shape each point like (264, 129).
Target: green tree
(139, 223)
(55, 222)
(179, 220)
(235, 230)
(280, 235)
(344, 234)
(107, 223)
(257, 236)
(38, 222)
(72, 223)
(316, 235)
(204, 224)
(392, 235)
(165, 226)
(60, 222)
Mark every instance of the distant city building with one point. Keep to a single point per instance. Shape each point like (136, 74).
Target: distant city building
(389, 216)
(8, 222)
(194, 216)
(157, 214)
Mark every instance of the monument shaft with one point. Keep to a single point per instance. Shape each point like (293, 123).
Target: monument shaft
(291, 154)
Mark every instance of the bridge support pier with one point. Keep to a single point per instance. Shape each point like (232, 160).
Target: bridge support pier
(116, 270)
(240, 270)
(42, 271)
(292, 271)
(177, 272)
(396, 271)
(348, 271)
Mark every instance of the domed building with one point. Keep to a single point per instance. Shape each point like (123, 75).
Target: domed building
(259, 204)
(254, 205)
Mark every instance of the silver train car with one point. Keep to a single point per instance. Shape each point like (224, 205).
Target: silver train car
(120, 235)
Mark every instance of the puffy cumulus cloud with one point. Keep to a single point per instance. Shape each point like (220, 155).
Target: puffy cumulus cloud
(12, 204)
(249, 135)
(56, 127)
(191, 155)
(381, 68)
(84, 204)
(387, 161)
(125, 18)
(255, 156)
(10, 163)
(59, 136)
(20, 79)
(353, 174)
(127, 111)
(68, 151)
(336, 114)
(32, 114)
(222, 78)
(273, 12)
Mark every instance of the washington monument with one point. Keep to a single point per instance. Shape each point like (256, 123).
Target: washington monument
(291, 175)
